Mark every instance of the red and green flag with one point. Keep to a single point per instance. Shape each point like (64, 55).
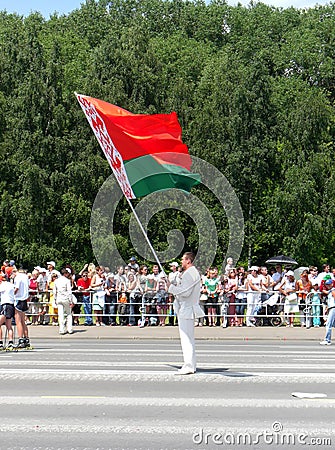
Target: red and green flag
(145, 152)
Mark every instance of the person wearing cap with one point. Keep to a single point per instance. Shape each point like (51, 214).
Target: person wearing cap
(51, 269)
(187, 295)
(330, 312)
(21, 294)
(323, 287)
(7, 311)
(288, 290)
(253, 295)
(62, 292)
(9, 269)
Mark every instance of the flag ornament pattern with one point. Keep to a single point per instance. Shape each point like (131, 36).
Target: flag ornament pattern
(101, 133)
(145, 152)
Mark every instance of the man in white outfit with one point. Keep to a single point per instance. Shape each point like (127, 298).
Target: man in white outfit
(187, 308)
(63, 298)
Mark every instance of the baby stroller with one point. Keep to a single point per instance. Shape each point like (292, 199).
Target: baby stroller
(270, 312)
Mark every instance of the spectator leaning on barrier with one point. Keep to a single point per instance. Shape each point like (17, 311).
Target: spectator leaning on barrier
(98, 300)
(253, 295)
(231, 288)
(149, 294)
(43, 296)
(132, 299)
(161, 300)
(303, 287)
(241, 297)
(111, 298)
(288, 289)
(83, 286)
(33, 297)
(266, 284)
(316, 303)
(53, 309)
(212, 290)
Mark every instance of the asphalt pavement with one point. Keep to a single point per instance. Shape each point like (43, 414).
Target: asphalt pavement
(266, 333)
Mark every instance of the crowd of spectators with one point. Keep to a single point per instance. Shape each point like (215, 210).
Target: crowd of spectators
(134, 295)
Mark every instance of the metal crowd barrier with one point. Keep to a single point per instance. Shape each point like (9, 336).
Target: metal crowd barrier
(143, 308)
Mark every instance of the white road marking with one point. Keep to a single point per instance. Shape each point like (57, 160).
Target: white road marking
(161, 402)
(226, 364)
(217, 376)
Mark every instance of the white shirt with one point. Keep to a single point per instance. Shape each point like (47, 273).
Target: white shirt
(42, 282)
(7, 292)
(62, 290)
(187, 295)
(174, 277)
(21, 282)
(256, 281)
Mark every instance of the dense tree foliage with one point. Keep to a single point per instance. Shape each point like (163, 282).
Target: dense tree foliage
(254, 89)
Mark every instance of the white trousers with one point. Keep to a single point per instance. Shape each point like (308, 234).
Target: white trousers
(64, 317)
(252, 300)
(186, 333)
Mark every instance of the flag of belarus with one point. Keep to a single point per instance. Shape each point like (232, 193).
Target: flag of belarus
(145, 152)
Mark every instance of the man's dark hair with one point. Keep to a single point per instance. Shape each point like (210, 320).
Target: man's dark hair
(190, 256)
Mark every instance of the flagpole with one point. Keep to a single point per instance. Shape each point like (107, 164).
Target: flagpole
(145, 235)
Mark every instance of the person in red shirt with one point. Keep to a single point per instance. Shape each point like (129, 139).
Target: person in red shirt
(83, 284)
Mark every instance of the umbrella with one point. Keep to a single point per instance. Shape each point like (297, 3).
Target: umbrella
(281, 259)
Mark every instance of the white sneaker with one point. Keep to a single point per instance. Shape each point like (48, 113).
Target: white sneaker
(325, 343)
(97, 324)
(185, 371)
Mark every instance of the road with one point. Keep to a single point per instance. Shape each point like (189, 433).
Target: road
(124, 394)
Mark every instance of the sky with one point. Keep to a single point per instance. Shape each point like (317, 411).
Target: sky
(47, 7)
